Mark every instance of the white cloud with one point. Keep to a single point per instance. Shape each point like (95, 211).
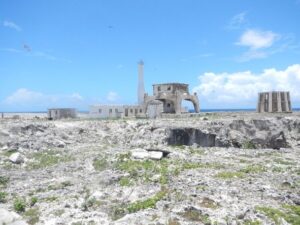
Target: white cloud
(257, 39)
(28, 100)
(237, 21)
(76, 96)
(112, 96)
(240, 89)
(11, 25)
(23, 96)
(261, 44)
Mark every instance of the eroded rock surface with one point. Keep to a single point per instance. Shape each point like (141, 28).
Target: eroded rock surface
(218, 168)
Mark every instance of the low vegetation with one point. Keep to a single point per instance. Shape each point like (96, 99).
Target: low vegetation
(248, 145)
(32, 216)
(3, 181)
(148, 203)
(19, 205)
(46, 159)
(252, 222)
(121, 210)
(3, 197)
(195, 215)
(100, 164)
(290, 213)
(230, 175)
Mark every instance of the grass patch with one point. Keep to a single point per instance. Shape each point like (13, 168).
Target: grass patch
(3, 197)
(193, 214)
(248, 145)
(9, 152)
(209, 203)
(148, 203)
(3, 181)
(59, 186)
(90, 203)
(32, 216)
(47, 159)
(144, 170)
(284, 162)
(50, 199)
(290, 213)
(252, 222)
(121, 210)
(230, 175)
(192, 165)
(125, 182)
(100, 164)
(253, 169)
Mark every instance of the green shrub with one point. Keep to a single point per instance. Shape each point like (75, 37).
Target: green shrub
(3, 181)
(33, 201)
(19, 205)
(248, 145)
(3, 197)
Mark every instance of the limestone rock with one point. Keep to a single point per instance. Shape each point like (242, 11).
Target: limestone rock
(140, 153)
(8, 218)
(156, 155)
(16, 158)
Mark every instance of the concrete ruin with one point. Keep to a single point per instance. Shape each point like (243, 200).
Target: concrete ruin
(61, 113)
(116, 111)
(171, 95)
(275, 101)
(167, 99)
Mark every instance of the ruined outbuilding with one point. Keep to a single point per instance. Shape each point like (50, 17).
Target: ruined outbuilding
(61, 113)
(171, 95)
(275, 101)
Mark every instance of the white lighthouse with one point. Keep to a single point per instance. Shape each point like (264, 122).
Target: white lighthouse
(141, 88)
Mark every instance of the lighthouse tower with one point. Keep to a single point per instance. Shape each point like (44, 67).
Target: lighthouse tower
(141, 88)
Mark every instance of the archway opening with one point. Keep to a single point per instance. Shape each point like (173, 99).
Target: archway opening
(187, 106)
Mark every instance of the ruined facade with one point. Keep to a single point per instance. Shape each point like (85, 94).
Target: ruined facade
(171, 95)
(116, 111)
(61, 113)
(167, 98)
(275, 101)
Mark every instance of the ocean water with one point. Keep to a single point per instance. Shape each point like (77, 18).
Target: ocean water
(191, 110)
(233, 110)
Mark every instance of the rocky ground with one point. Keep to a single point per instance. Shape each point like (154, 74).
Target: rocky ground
(217, 168)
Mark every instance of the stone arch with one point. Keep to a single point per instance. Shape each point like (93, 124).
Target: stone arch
(194, 101)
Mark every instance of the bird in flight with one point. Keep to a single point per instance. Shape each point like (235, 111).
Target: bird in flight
(26, 48)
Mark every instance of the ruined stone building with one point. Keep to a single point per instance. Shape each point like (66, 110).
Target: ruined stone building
(275, 101)
(171, 96)
(167, 98)
(61, 113)
(116, 111)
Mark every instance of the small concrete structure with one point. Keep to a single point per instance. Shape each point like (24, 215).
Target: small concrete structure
(275, 101)
(116, 111)
(172, 95)
(61, 113)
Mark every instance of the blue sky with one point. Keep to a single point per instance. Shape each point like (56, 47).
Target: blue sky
(77, 53)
